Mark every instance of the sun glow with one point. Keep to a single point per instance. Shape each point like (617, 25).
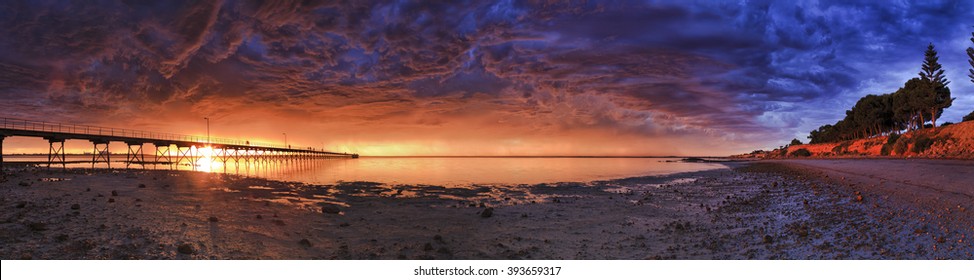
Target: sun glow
(205, 162)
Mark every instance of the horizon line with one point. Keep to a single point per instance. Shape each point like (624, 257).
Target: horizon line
(454, 156)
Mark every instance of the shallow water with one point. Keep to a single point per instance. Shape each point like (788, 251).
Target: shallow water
(444, 171)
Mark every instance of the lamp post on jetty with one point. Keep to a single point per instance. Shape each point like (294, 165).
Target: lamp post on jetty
(285, 139)
(207, 130)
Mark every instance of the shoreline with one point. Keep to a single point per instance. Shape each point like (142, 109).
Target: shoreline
(755, 210)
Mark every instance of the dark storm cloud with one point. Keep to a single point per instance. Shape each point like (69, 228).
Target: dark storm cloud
(757, 70)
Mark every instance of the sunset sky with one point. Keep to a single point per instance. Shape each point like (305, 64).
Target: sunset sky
(476, 77)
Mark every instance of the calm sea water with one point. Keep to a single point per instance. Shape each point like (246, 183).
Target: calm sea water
(445, 171)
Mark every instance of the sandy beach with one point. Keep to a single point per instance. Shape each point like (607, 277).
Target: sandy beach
(792, 209)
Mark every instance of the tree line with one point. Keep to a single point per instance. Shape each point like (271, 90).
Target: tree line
(920, 100)
(970, 60)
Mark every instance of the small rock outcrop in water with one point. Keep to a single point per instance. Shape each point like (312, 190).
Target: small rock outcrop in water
(75, 206)
(214, 219)
(141, 186)
(487, 213)
(114, 193)
(305, 242)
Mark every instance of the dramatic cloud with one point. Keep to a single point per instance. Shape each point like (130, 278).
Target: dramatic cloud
(479, 77)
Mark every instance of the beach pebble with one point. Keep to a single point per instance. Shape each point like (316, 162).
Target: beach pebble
(445, 251)
(110, 200)
(768, 239)
(345, 224)
(259, 217)
(305, 242)
(75, 206)
(87, 189)
(21, 204)
(61, 237)
(330, 209)
(186, 248)
(114, 193)
(214, 219)
(141, 186)
(38, 226)
(427, 247)
(487, 213)
(24, 183)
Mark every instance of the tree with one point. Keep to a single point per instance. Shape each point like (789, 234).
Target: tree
(969, 117)
(909, 102)
(795, 142)
(935, 96)
(970, 58)
(872, 115)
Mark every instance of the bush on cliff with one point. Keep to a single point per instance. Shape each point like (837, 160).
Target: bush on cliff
(900, 146)
(801, 153)
(842, 148)
(923, 143)
(888, 147)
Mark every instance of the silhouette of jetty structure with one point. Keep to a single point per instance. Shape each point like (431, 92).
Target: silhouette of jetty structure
(186, 147)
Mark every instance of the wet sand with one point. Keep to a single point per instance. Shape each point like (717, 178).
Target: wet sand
(763, 210)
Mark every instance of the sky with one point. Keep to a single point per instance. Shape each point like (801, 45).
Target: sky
(498, 78)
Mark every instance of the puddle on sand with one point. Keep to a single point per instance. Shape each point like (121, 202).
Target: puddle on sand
(54, 179)
(303, 203)
(633, 188)
(295, 199)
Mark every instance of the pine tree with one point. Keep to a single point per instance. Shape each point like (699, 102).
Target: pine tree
(936, 95)
(970, 58)
(932, 71)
